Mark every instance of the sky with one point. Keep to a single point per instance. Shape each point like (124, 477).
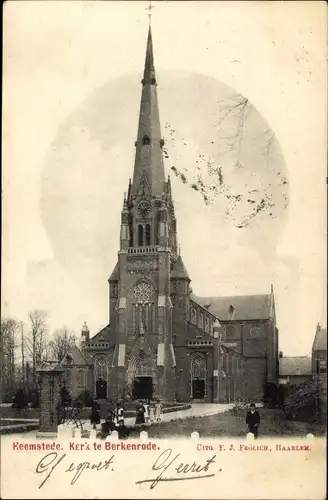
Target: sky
(241, 89)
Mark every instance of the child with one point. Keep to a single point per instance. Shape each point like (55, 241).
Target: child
(146, 406)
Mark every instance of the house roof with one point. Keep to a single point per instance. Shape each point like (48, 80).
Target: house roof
(103, 336)
(77, 356)
(245, 307)
(320, 339)
(294, 366)
(179, 270)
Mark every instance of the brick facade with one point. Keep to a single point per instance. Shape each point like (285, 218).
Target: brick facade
(160, 341)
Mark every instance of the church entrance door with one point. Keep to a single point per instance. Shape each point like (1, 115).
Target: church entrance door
(142, 388)
(101, 389)
(198, 389)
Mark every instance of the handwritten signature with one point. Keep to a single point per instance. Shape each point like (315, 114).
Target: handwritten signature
(50, 462)
(164, 463)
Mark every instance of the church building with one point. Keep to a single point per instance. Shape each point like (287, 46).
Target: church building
(162, 341)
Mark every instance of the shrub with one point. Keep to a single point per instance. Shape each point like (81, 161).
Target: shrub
(20, 399)
(84, 399)
(303, 403)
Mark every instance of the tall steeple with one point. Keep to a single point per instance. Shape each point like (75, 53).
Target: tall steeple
(149, 175)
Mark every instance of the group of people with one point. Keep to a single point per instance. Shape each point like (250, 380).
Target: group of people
(148, 412)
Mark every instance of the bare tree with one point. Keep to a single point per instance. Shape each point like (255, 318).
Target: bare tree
(62, 341)
(36, 341)
(8, 341)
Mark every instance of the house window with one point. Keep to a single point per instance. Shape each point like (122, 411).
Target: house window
(193, 315)
(133, 317)
(322, 366)
(206, 324)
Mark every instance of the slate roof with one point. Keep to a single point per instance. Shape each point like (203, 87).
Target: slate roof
(77, 356)
(114, 275)
(295, 366)
(246, 307)
(320, 340)
(103, 336)
(179, 270)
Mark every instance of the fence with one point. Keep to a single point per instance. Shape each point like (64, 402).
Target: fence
(69, 431)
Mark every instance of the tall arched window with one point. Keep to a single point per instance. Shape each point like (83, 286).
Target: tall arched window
(131, 230)
(147, 234)
(198, 377)
(101, 369)
(198, 367)
(140, 235)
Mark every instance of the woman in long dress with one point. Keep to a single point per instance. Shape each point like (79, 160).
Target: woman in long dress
(158, 410)
(151, 412)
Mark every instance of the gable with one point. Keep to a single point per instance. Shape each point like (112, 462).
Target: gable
(103, 336)
(76, 357)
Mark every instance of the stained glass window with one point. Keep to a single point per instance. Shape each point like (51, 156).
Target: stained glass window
(143, 292)
(198, 367)
(101, 369)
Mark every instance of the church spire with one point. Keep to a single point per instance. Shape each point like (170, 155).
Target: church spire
(148, 176)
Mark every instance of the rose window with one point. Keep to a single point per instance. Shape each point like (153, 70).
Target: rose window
(143, 292)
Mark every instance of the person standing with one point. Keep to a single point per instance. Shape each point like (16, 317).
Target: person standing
(95, 414)
(120, 413)
(151, 412)
(140, 414)
(158, 410)
(253, 420)
(146, 406)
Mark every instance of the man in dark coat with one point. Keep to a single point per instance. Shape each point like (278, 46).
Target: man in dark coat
(95, 413)
(253, 420)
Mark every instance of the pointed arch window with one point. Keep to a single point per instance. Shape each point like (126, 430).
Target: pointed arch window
(140, 235)
(198, 367)
(101, 369)
(148, 235)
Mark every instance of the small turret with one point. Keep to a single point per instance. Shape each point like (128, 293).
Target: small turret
(85, 333)
(125, 231)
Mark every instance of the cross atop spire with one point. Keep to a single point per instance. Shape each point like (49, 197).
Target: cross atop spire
(149, 8)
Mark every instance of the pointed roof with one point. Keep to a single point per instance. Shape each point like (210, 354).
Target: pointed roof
(179, 270)
(114, 275)
(149, 158)
(104, 335)
(246, 307)
(76, 355)
(320, 339)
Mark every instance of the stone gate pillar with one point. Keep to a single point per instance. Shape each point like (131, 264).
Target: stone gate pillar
(49, 400)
